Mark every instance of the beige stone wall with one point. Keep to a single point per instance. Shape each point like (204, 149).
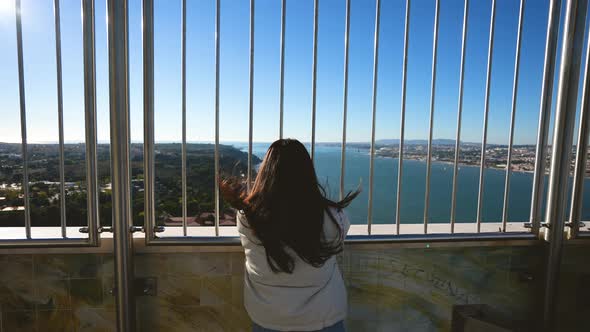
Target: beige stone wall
(398, 289)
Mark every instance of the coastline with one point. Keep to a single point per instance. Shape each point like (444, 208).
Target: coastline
(459, 164)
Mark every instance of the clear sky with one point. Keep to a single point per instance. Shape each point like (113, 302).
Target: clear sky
(39, 54)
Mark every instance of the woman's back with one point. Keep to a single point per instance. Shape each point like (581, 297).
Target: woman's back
(310, 298)
(291, 233)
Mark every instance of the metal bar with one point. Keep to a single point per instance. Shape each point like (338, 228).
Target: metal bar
(544, 113)
(373, 239)
(90, 119)
(217, 36)
(282, 67)
(345, 99)
(232, 244)
(402, 120)
(117, 12)
(485, 117)
(183, 74)
(565, 116)
(374, 107)
(195, 240)
(23, 116)
(439, 238)
(512, 118)
(459, 114)
(314, 75)
(60, 117)
(43, 243)
(148, 119)
(251, 96)
(431, 123)
(581, 154)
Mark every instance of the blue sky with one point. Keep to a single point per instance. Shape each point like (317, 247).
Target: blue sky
(39, 53)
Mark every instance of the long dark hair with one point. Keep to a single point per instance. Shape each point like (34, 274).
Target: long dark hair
(286, 207)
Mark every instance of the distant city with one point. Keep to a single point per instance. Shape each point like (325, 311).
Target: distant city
(523, 157)
(443, 150)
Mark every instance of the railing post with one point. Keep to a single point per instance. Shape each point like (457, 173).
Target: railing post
(148, 118)
(544, 114)
(581, 154)
(314, 75)
(117, 11)
(512, 118)
(565, 116)
(250, 95)
(60, 118)
(486, 111)
(183, 152)
(459, 114)
(345, 98)
(217, 62)
(374, 116)
(400, 164)
(282, 67)
(90, 119)
(431, 121)
(23, 116)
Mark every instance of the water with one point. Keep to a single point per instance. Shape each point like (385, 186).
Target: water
(327, 163)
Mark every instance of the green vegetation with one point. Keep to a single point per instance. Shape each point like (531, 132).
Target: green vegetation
(44, 181)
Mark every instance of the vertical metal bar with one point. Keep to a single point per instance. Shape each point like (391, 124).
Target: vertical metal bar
(148, 118)
(60, 119)
(402, 119)
(117, 12)
(565, 116)
(251, 96)
(459, 114)
(90, 119)
(431, 123)
(581, 153)
(217, 36)
(282, 67)
(374, 107)
(345, 99)
(485, 117)
(23, 116)
(314, 75)
(544, 113)
(183, 74)
(512, 117)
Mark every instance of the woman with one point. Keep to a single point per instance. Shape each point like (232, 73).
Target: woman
(291, 233)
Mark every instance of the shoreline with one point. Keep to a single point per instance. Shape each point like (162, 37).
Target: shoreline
(458, 164)
(367, 151)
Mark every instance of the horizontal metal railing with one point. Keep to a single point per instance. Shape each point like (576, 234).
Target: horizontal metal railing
(90, 133)
(152, 229)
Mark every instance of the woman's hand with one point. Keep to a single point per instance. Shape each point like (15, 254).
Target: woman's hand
(233, 192)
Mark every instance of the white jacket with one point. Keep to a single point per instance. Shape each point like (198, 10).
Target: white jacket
(306, 300)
